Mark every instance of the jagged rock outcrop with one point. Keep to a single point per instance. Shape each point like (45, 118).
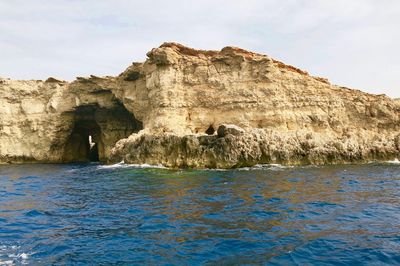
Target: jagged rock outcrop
(255, 146)
(191, 108)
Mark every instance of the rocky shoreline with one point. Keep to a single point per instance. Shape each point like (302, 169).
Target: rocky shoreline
(235, 149)
(188, 108)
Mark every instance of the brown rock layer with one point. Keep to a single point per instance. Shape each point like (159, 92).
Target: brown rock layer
(179, 95)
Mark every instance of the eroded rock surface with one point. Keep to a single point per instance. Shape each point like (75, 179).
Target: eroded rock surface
(256, 146)
(191, 108)
(51, 121)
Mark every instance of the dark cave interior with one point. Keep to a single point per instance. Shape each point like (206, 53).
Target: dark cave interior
(96, 130)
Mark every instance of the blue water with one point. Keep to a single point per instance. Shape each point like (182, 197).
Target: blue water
(91, 214)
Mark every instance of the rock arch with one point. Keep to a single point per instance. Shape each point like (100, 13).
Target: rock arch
(105, 126)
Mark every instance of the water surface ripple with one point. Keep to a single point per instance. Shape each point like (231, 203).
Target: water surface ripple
(90, 214)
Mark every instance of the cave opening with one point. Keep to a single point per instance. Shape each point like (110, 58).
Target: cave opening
(95, 131)
(84, 141)
(210, 130)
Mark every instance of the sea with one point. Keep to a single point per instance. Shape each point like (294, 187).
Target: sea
(92, 214)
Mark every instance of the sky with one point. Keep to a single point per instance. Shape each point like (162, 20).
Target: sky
(352, 43)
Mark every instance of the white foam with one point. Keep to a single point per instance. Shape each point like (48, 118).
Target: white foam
(273, 167)
(122, 164)
(4, 247)
(255, 167)
(214, 169)
(14, 257)
(277, 166)
(23, 256)
(111, 166)
(145, 165)
(395, 161)
(6, 262)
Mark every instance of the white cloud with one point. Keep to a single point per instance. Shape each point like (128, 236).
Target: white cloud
(353, 43)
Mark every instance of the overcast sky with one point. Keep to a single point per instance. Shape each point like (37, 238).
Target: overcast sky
(354, 43)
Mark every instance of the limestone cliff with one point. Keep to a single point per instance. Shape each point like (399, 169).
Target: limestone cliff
(50, 121)
(167, 110)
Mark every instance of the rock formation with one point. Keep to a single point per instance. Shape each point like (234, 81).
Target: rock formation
(191, 108)
(50, 121)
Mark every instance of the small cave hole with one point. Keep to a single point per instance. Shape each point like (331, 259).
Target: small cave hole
(210, 130)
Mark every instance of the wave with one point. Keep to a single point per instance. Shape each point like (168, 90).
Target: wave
(6, 262)
(273, 167)
(13, 257)
(122, 164)
(22, 256)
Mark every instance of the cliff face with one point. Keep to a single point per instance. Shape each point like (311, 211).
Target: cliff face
(51, 121)
(168, 109)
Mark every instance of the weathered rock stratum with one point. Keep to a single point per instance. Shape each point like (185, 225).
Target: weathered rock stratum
(192, 108)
